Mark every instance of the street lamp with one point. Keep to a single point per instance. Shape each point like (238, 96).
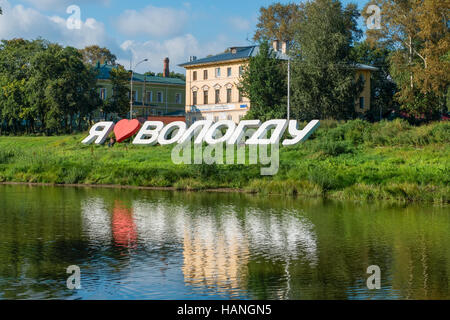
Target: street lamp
(131, 86)
(289, 90)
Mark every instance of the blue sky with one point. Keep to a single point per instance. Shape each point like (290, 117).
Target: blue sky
(139, 28)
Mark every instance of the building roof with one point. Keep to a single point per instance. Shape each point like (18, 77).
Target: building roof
(240, 53)
(105, 69)
(246, 53)
(233, 53)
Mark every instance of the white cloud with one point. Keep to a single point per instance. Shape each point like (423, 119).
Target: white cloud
(178, 49)
(28, 23)
(153, 21)
(239, 23)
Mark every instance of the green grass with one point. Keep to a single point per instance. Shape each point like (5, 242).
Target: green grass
(355, 160)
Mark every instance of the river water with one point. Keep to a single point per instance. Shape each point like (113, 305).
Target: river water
(136, 244)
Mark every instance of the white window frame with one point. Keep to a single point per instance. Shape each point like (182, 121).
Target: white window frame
(105, 96)
(217, 72)
(178, 98)
(162, 97)
(149, 96)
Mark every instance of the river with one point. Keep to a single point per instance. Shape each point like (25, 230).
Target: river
(140, 244)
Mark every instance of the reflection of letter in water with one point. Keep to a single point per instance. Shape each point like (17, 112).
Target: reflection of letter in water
(123, 226)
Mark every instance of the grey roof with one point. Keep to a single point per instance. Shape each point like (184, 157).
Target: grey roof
(246, 53)
(241, 53)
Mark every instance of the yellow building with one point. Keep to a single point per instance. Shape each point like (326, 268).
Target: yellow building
(212, 84)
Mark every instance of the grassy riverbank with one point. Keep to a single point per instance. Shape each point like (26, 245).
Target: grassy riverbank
(355, 160)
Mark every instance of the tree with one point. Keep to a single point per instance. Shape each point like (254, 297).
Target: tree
(94, 54)
(383, 88)
(417, 32)
(119, 101)
(172, 74)
(44, 87)
(264, 83)
(277, 22)
(323, 75)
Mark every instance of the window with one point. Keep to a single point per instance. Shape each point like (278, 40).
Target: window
(217, 96)
(229, 95)
(229, 72)
(229, 117)
(217, 72)
(159, 97)
(361, 102)
(216, 119)
(241, 70)
(103, 93)
(149, 96)
(194, 98)
(194, 76)
(205, 75)
(205, 97)
(241, 98)
(178, 98)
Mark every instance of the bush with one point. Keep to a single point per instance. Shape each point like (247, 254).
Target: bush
(334, 148)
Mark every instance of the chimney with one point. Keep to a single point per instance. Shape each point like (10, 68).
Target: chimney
(284, 47)
(166, 71)
(276, 45)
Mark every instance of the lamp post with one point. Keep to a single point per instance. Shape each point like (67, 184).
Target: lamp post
(131, 87)
(289, 91)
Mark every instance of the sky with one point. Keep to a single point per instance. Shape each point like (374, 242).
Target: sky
(139, 29)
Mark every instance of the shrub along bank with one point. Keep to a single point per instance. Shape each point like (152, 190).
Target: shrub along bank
(355, 160)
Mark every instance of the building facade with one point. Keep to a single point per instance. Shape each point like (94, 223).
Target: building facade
(152, 96)
(212, 84)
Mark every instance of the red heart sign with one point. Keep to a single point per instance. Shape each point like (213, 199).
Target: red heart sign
(125, 129)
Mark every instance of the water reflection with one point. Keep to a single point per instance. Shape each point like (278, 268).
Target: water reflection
(155, 245)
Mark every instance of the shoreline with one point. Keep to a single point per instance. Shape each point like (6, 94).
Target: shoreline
(128, 187)
(326, 196)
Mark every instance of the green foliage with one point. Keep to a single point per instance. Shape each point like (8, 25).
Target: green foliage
(277, 22)
(323, 78)
(118, 103)
(416, 31)
(264, 83)
(44, 88)
(94, 54)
